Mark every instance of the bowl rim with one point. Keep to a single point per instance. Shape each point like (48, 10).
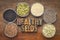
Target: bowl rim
(27, 12)
(6, 10)
(40, 4)
(46, 36)
(7, 34)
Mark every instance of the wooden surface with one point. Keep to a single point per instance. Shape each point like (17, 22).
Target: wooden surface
(30, 36)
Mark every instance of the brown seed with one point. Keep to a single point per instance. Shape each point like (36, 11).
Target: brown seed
(11, 30)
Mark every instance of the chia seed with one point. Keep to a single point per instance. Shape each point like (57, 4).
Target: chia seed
(9, 15)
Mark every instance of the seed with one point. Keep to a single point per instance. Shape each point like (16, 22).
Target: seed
(11, 30)
(48, 30)
(22, 9)
(49, 15)
(9, 15)
(37, 9)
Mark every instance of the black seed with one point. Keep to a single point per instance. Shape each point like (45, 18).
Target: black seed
(9, 15)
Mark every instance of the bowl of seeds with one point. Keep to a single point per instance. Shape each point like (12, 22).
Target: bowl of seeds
(9, 15)
(22, 9)
(37, 9)
(48, 30)
(11, 30)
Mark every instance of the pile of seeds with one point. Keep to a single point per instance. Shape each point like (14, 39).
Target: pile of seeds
(22, 9)
(11, 30)
(48, 30)
(37, 9)
(49, 15)
(9, 15)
